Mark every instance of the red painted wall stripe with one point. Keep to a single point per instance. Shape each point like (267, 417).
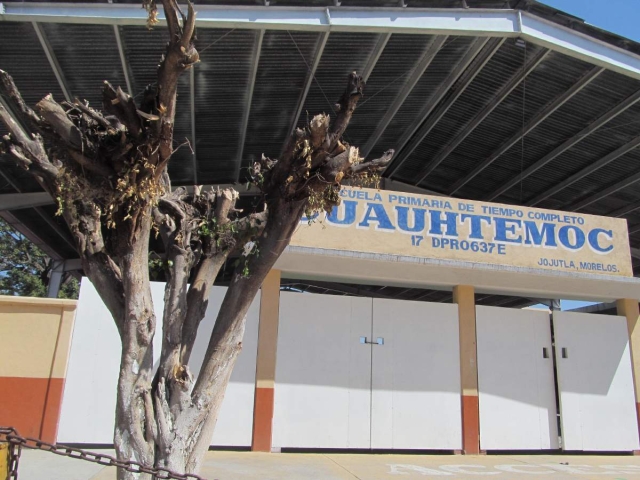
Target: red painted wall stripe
(262, 420)
(470, 425)
(31, 405)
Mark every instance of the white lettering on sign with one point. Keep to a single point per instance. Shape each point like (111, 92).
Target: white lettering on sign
(435, 227)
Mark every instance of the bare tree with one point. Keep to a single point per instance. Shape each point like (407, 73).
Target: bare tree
(108, 172)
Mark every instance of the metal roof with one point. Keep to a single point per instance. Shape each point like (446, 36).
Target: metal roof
(508, 100)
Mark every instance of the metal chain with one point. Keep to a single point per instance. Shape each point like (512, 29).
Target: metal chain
(16, 443)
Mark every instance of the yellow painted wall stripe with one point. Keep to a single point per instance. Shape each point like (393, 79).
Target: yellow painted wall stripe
(463, 295)
(35, 337)
(268, 330)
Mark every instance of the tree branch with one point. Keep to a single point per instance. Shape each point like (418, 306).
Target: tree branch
(346, 106)
(8, 89)
(30, 153)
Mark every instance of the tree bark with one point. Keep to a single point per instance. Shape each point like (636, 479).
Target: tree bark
(109, 174)
(134, 436)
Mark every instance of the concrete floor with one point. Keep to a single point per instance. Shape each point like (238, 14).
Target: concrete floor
(36, 465)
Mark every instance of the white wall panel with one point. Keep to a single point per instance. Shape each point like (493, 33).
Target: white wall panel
(88, 404)
(597, 400)
(415, 376)
(323, 373)
(516, 383)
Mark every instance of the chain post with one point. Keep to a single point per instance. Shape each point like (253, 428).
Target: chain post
(15, 443)
(4, 461)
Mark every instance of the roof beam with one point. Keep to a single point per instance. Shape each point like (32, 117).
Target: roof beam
(123, 60)
(398, 186)
(27, 232)
(469, 22)
(421, 66)
(455, 85)
(540, 117)
(311, 74)
(253, 71)
(15, 117)
(634, 229)
(567, 144)
(383, 39)
(621, 212)
(616, 187)
(515, 80)
(192, 119)
(9, 217)
(607, 159)
(16, 201)
(57, 71)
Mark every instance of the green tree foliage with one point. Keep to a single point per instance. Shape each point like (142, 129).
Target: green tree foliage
(25, 269)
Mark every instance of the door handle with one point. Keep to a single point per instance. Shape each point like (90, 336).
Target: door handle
(565, 354)
(545, 352)
(379, 341)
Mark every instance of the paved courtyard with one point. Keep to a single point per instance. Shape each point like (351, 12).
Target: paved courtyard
(37, 465)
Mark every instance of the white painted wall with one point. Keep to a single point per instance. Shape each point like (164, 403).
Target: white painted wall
(88, 404)
(323, 373)
(516, 384)
(595, 382)
(415, 376)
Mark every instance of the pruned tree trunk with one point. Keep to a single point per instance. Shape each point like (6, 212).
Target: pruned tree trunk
(109, 174)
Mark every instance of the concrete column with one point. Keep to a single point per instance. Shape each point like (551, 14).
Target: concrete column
(266, 362)
(464, 296)
(629, 308)
(55, 278)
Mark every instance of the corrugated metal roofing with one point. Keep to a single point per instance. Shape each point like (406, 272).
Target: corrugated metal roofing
(88, 54)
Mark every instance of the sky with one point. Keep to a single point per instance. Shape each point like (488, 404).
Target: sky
(617, 16)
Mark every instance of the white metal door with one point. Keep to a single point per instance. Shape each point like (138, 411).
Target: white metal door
(515, 380)
(323, 372)
(415, 401)
(595, 381)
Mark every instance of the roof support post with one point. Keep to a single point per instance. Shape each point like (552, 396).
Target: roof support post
(578, 137)
(493, 103)
(619, 152)
(55, 278)
(255, 61)
(322, 41)
(48, 51)
(478, 55)
(540, 117)
(421, 66)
